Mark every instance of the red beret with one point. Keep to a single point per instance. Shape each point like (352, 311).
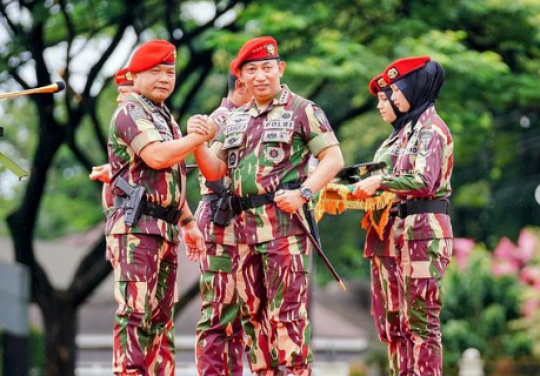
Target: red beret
(262, 48)
(123, 78)
(376, 84)
(152, 53)
(402, 67)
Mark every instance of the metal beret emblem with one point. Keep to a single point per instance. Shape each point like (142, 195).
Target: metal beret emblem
(392, 73)
(270, 50)
(381, 82)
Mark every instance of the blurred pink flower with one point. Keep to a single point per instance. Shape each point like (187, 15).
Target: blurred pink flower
(529, 307)
(528, 244)
(530, 275)
(462, 249)
(503, 267)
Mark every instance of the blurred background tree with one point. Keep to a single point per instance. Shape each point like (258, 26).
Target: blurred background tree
(490, 50)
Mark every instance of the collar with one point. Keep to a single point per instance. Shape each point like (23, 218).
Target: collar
(283, 96)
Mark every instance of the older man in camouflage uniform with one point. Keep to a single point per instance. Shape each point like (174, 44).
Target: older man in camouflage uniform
(265, 151)
(147, 150)
(220, 338)
(422, 227)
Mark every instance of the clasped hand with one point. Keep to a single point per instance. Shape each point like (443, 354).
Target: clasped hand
(203, 125)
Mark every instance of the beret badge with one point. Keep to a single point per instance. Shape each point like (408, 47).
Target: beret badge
(392, 73)
(270, 50)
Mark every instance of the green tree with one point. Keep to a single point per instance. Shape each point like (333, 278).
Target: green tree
(490, 50)
(482, 311)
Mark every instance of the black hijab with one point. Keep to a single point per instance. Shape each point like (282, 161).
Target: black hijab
(400, 119)
(421, 88)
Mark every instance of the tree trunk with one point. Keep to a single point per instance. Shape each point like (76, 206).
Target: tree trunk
(60, 319)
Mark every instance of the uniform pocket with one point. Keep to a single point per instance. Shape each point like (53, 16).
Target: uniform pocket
(297, 280)
(216, 281)
(131, 288)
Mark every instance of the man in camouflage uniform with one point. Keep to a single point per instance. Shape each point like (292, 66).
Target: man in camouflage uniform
(220, 342)
(422, 227)
(264, 150)
(147, 150)
(124, 87)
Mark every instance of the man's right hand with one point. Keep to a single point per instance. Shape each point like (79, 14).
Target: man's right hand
(101, 173)
(203, 125)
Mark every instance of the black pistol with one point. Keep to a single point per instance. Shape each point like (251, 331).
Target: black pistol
(133, 203)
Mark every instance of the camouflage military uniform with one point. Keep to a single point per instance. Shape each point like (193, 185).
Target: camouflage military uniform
(144, 257)
(265, 151)
(219, 331)
(424, 241)
(384, 272)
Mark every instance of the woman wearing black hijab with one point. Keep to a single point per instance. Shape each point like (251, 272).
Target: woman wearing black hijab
(422, 231)
(378, 247)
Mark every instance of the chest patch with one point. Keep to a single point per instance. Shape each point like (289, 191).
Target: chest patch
(276, 136)
(274, 154)
(232, 158)
(232, 140)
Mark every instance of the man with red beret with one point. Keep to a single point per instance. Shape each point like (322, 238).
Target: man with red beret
(265, 150)
(124, 87)
(146, 153)
(422, 227)
(220, 337)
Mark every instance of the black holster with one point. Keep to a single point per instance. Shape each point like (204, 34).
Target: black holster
(220, 203)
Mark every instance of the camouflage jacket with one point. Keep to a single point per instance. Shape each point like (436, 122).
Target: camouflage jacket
(422, 171)
(388, 152)
(136, 123)
(211, 232)
(265, 150)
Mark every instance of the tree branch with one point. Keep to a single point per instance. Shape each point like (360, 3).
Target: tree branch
(353, 112)
(92, 270)
(206, 69)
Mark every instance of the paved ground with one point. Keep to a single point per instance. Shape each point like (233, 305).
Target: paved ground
(336, 316)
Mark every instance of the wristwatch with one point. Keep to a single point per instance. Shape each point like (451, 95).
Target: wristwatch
(306, 193)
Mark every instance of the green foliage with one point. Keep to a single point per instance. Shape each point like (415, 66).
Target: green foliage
(481, 311)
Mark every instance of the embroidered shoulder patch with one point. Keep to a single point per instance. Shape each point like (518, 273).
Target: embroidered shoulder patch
(320, 116)
(425, 139)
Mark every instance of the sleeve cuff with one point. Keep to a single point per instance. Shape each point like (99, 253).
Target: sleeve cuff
(145, 138)
(321, 142)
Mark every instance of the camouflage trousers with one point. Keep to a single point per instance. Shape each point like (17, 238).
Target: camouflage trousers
(272, 285)
(145, 268)
(219, 334)
(385, 309)
(423, 264)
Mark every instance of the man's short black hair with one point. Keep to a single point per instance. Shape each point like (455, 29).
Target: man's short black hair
(232, 82)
